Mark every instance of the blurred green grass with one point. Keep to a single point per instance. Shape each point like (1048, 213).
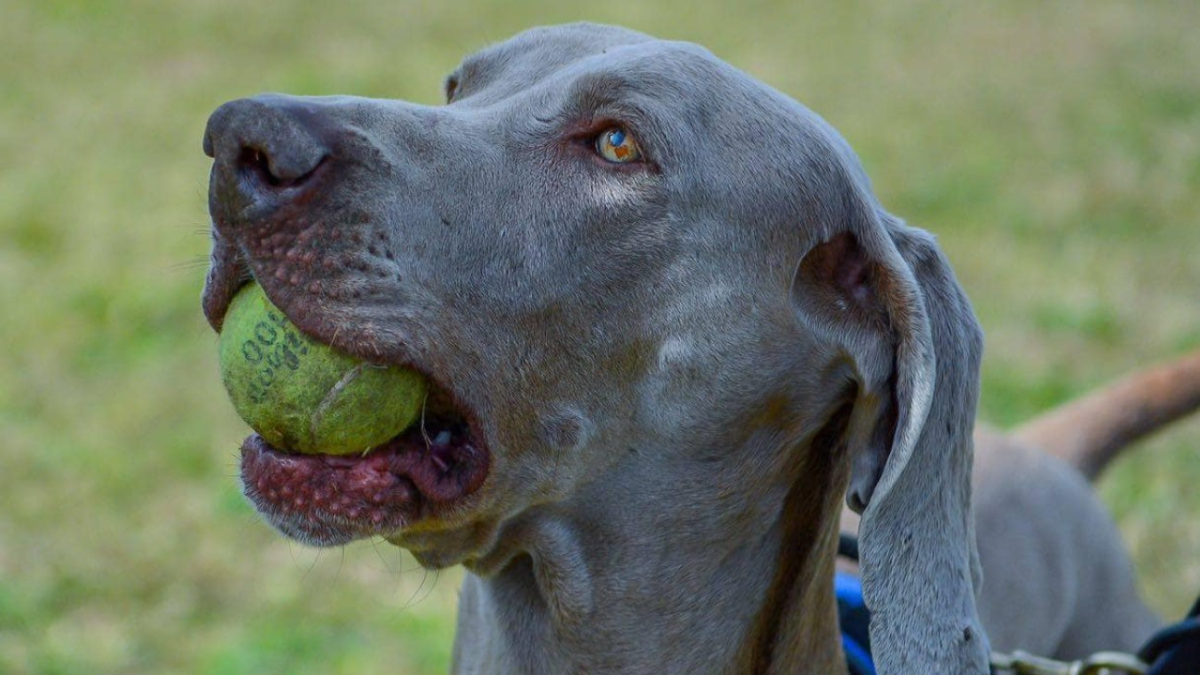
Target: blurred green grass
(1053, 147)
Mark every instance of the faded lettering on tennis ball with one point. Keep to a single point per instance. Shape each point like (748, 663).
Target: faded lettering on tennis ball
(304, 396)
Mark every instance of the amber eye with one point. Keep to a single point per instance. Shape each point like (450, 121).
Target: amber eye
(451, 88)
(617, 145)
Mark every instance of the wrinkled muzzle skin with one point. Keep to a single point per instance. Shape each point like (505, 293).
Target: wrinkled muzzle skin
(659, 431)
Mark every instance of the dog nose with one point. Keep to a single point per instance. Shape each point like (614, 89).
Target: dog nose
(266, 150)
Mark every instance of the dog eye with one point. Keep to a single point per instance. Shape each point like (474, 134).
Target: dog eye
(617, 145)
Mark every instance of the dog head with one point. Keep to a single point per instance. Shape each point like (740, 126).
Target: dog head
(626, 267)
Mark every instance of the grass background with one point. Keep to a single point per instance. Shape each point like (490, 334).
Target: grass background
(1053, 146)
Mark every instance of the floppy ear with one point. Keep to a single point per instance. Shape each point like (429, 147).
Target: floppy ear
(883, 292)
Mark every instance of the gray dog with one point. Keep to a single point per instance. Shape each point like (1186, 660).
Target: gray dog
(669, 328)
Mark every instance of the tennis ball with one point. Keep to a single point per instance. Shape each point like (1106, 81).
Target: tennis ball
(304, 396)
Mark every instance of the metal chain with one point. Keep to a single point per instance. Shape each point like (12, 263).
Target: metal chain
(1101, 663)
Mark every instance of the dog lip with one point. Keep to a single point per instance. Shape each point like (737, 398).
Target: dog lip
(328, 500)
(227, 273)
(322, 502)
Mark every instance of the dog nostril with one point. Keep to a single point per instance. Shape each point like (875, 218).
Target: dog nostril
(253, 162)
(256, 164)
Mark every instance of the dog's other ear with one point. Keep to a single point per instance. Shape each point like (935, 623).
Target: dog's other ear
(884, 294)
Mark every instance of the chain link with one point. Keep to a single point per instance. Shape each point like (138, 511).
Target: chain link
(1102, 663)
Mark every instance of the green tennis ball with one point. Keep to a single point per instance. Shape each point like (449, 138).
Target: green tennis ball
(303, 396)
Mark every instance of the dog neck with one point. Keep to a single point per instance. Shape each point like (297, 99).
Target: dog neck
(666, 567)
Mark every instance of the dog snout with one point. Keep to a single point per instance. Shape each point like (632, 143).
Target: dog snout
(267, 151)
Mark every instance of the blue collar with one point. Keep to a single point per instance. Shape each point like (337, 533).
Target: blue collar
(853, 621)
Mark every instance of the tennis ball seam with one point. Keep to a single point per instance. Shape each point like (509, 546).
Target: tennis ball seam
(318, 415)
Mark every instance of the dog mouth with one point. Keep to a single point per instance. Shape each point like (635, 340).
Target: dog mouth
(329, 500)
(424, 473)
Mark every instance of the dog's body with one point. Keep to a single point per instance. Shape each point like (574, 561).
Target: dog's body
(661, 363)
(1058, 581)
